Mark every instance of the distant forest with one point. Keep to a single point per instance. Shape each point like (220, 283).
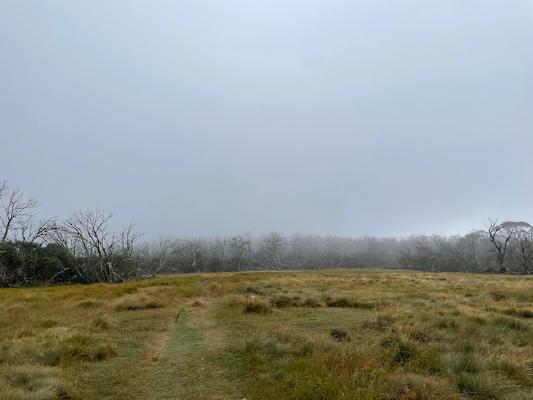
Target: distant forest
(84, 249)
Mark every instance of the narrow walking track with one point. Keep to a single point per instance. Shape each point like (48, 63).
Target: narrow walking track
(187, 366)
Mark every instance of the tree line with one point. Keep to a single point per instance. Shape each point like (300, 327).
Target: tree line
(84, 248)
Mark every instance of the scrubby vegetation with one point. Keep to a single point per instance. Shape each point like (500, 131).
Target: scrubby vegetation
(84, 248)
(324, 334)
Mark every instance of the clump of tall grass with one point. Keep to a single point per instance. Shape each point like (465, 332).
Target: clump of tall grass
(521, 313)
(251, 290)
(416, 387)
(379, 322)
(49, 323)
(30, 382)
(510, 323)
(100, 323)
(345, 302)
(402, 349)
(312, 303)
(340, 335)
(498, 295)
(78, 348)
(464, 362)
(484, 386)
(138, 302)
(90, 303)
(256, 306)
(284, 301)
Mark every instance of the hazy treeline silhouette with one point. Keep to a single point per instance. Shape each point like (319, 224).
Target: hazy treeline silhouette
(83, 248)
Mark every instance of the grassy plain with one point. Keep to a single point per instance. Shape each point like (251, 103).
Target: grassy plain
(304, 335)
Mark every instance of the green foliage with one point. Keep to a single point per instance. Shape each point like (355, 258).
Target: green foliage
(30, 263)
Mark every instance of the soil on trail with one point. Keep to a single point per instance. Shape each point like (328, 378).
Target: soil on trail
(189, 365)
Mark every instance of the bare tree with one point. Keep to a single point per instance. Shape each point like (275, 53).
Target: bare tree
(31, 231)
(239, 245)
(500, 236)
(15, 208)
(128, 237)
(92, 240)
(163, 251)
(273, 244)
(217, 250)
(3, 189)
(523, 248)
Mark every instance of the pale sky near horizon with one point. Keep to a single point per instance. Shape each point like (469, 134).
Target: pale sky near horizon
(208, 117)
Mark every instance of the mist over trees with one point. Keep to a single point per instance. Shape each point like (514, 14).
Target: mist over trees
(83, 249)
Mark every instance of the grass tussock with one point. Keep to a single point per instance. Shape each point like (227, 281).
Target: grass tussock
(285, 301)
(101, 323)
(519, 313)
(90, 303)
(484, 386)
(340, 335)
(138, 301)
(32, 383)
(256, 306)
(345, 302)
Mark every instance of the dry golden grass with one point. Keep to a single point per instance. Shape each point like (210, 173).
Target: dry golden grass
(324, 334)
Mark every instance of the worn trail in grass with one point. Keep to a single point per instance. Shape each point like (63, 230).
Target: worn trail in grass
(189, 365)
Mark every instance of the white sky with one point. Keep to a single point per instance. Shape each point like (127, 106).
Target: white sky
(206, 117)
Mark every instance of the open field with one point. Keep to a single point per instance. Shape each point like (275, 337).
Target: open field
(325, 334)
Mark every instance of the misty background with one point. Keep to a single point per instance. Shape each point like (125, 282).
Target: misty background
(196, 118)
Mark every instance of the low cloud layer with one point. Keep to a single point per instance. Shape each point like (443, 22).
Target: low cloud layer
(215, 117)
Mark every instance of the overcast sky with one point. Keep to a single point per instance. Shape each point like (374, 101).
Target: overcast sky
(214, 117)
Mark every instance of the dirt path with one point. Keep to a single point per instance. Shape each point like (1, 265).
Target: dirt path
(189, 366)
